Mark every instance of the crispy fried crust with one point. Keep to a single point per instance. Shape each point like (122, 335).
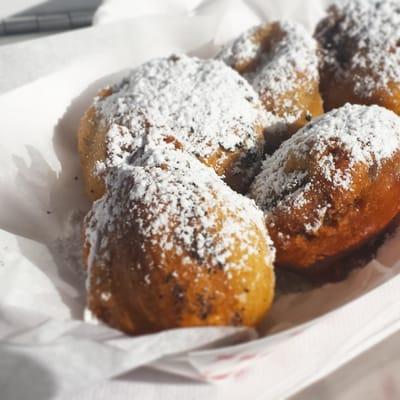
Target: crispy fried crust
(236, 164)
(153, 274)
(194, 297)
(332, 187)
(275, 44)
(304, 96)
(337, 92)
(232, 165)
(92, 149)
(357, 216)
(359, 61)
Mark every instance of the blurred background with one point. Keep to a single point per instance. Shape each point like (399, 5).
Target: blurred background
(26, 19)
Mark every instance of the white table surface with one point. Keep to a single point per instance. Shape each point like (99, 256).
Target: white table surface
(372, 375)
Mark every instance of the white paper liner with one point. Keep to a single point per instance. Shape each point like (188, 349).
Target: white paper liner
(41, 292)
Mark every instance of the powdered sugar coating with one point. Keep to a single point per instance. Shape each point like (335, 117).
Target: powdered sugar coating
(243, 50)
(200, 104)
(361, 42)
(361, 134)
(177, 203)
(284, 65)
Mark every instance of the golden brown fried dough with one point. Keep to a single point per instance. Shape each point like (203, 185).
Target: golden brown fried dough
(360, 57)
(331, 187)
(171, 245)
(93, 148)
(201, 106)
(280, 61)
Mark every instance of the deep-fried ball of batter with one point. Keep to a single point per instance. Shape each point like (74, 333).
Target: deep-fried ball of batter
(280, 61)
(331, 187)
(171, 245)
(202, 106)
(360, 57)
